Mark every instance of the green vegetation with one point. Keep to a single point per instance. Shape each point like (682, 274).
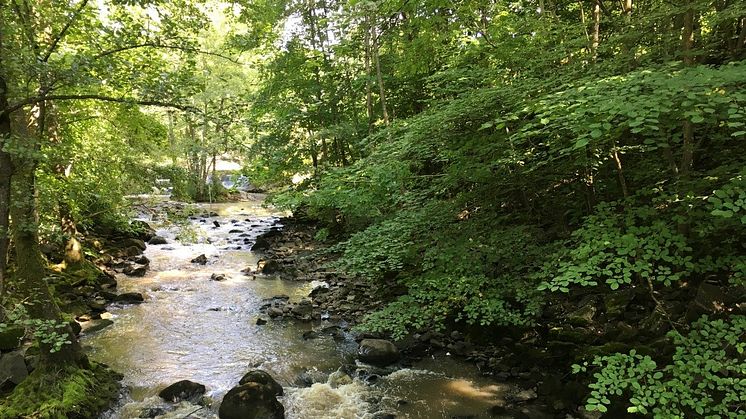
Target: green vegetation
(64, 393)
(568, 171)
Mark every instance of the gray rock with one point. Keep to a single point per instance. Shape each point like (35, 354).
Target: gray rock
(201, 259)
(378, 352)
(274, 312)
(251, 401)
(217, 277)
(582, 316)
(13, 368)
(11, 338)
(138, 271)
(129, 298)
(95, 325)
(183, 390)
(140, 244)
(303, 309)
(616, 302)
(262, 377)
(525, 396)
(157, 240)
(269, 267)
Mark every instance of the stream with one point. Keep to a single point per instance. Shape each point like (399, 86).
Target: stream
(191, 327)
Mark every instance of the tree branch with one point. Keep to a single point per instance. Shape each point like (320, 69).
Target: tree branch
(64, 30)
(132, 101)
(157, 45)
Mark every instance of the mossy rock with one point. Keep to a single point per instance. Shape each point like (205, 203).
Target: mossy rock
(11, 338)
(62, 393)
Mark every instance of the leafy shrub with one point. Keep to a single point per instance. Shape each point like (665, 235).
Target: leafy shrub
(619, 247)
(706, 378)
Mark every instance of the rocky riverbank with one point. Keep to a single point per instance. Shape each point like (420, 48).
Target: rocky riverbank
(538, 359)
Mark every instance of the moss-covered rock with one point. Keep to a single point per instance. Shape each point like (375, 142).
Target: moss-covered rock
(11, 338)
(62, 393)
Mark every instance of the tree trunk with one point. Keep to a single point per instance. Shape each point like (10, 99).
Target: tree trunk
(596, 37)
(30, 282)
(368, 83)
(6, 172)
(687, 43)
(620, 171)
(171, 137)
(376, 58)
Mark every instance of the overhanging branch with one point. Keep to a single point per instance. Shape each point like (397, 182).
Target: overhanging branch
(132, 101)
(158, 45)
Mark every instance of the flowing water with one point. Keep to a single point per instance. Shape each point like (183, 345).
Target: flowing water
(191, 327)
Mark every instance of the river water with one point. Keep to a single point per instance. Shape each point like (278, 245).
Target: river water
(191, 327)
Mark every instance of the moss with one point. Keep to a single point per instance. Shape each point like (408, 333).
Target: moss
(64, 393)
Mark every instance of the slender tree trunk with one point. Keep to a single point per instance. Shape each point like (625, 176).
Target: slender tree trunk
(6, 172)
(171, 137)
(368, 75)
(596, 36)
(620, 171)
(687, 43)
(381, 89)
(741, 42)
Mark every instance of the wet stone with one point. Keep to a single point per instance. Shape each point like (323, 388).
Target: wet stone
(183, 390)
(129, 298)
(201, 260)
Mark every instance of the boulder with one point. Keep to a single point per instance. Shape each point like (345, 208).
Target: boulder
(269, 267)
(217, 277)
(129, 251)
(260, 321)
(11, 338)
(136, 271)
(157, 240)
(131, 242)
(129, 298)
(143, 230)
(274, 312)
(709, 299)
(141, 260)
(262, 377)
(378, 352)
(95, 325)
(201, 259)
(251, 401)
(13, 369)
(616, 303)
(263, 242)
(582, 316)
(183, 390)
(303, 309)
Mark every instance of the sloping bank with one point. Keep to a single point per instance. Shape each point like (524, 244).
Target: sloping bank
(84, 389)
(571, 330)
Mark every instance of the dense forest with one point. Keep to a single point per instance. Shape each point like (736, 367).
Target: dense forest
(568, 174)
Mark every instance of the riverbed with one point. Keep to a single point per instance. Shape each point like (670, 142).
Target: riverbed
(192, 327)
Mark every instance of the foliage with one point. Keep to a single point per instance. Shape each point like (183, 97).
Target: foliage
(61, 393)
(49, 332)
(638, 244)
(706, 376)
